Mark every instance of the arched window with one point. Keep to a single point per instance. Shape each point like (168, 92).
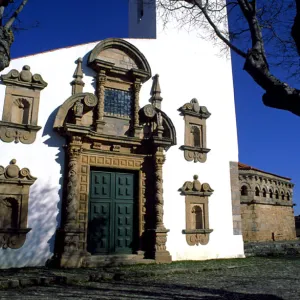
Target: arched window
(282, 196)
(9, 213)
(20, 111)
(244, 191)
(196, 132)
(264, 192)
(197, 218)
(270, 193)
(276, 195)
(288, 198)
(256, 191)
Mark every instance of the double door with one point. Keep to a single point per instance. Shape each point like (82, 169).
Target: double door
(111, 212)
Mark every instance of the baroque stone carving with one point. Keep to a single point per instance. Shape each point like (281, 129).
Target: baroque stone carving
(77, 84)
(196, 206)
(195, 131)
(161, 253)
(74, 151)
(14, 194)
(20, 113)
(101, 137)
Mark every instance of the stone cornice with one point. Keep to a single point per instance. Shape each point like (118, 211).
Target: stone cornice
(251, 174)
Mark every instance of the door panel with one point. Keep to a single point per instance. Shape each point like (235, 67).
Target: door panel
(111, 212)
(99, 226)
(124, 186)
(124, 227)
(101, 185)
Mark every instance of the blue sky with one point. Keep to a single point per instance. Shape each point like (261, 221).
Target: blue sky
(268, 138)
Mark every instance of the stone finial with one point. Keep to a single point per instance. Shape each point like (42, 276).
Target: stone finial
(24, 79)
(77, 84)
(155, 99)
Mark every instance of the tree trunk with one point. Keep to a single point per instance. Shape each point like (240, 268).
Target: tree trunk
(278, 94)
(6, 40)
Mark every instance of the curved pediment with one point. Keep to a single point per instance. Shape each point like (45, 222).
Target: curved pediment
(84, 99)
(150, 113)
(117, 54)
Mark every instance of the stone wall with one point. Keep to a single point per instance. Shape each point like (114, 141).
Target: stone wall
(262, 222)
(266, 205)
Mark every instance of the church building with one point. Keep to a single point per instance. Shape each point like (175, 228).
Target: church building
(123, 149)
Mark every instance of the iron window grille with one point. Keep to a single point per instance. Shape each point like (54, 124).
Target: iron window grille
(118, 103)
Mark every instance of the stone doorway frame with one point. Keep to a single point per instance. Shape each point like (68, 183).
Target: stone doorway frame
(114, 163)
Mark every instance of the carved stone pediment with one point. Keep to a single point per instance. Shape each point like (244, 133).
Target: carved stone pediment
(195, 188)
(14, 194)
(194, 109)
(24, 79)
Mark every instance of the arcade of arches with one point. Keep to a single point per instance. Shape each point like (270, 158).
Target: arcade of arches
(266, 205)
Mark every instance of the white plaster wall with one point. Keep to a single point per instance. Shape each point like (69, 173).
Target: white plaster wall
(188, 68)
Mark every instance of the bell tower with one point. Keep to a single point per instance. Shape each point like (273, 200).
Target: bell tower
(142, 19)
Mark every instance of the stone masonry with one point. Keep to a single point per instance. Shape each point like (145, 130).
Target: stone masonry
(266, 205)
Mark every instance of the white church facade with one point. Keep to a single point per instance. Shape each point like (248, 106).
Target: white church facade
(122, 163)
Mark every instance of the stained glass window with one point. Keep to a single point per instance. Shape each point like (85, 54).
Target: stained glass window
(117, 103)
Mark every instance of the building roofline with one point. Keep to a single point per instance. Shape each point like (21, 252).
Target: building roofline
(249, 168)
(71, 46)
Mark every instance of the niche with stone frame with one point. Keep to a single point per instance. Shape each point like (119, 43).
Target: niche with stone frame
(195, 131)
(196, 207)
(14, 195)
(21, 106)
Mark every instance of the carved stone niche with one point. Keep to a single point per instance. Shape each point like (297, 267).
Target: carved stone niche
(14, 194)
(196, 206)
(21, 106)
(195, 131)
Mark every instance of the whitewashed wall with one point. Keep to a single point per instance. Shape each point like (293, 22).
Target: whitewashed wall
(189, 68)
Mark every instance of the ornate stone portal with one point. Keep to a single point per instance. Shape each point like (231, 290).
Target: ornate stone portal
(109, 135)
(14, 194)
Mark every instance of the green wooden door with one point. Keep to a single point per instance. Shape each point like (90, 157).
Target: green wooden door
(111, 212)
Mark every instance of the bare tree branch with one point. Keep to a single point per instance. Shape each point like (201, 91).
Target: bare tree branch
(256, 26)
(15, 14)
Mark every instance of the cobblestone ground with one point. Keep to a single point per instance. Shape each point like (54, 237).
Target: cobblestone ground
(251, 279)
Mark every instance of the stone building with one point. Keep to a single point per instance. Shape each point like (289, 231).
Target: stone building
(297, 224)
(116, 173)
(266, 205)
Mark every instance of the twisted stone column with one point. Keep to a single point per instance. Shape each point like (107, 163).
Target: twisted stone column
(161, 254)
(71, 203)
(101, 80)
(137, 88)
(72, 255)
(136, 120)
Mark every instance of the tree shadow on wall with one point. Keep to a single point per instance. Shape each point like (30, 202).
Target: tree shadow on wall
(56, 141)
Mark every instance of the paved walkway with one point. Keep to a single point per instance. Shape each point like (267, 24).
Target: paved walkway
(251, 279)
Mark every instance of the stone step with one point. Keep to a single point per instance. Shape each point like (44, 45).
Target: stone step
(96, 261)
